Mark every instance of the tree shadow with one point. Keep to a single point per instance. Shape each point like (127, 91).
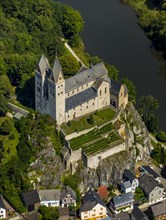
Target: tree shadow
(153, 4)
(26, 95)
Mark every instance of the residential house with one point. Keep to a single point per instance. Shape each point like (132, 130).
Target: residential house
(152, 188)
(50, 197)
(31, 200)
(128, 175)
(103, 192)
(137, 214)
(3, 211)
(122, 202)
(63, 213)
(122, 216)
(68, 197)
(126, 187)
(158, 211)
(150, 171)
(92, 207)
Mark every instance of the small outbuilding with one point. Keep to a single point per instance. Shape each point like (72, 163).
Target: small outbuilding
(31, 200)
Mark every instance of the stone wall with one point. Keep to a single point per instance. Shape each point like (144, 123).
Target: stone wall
(92, 161)
(17, 109)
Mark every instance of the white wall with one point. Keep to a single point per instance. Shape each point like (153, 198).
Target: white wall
(53, 203)
(2, 213)
(97, 211)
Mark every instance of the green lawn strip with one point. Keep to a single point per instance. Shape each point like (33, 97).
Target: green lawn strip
(106, 128)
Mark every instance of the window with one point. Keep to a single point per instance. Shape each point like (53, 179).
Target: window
(60, 78)
(73, 91)
(86, 85)
(85, 216)
(87, 106)
(93, 103)
(61, 92)
(100, 92)
(93, 214)
(82, 87)
(100, 213)
(68, 116)
(61, 85)
(101, 209)
(94, 210)
(105, 89)
(58, 87)
(77, 89)
(58, 93)
(68, 94)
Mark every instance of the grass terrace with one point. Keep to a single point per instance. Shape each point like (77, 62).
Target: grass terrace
(100, 117)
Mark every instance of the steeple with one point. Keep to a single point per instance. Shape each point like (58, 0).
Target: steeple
(43, 65)
(57, 71)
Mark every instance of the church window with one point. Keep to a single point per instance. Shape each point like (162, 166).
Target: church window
(61, 92)
(100, 92)
(105, 89)
(58, 93)
(93, 103)
(87, 106)
(73, 91)
(86, 85)
(61, 85)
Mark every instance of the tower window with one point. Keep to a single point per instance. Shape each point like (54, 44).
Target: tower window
(100, 92)
(58, 93)
(105, 89)
(68, 94)
(60, 78)
(61, 92)
(73, 91)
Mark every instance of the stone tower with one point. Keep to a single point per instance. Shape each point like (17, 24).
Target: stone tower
(56, 93)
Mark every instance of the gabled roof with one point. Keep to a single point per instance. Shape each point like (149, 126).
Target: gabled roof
(43, 64)
(90, 200)
(85, 76)
(80, 98)
(67, 191)
(122, 199)
(30, 198)
(148, 183)
(150, 171)
(122, 216)
(56, 70)
(127, 184)
(137, 214)
(128, 175)
(159, 209)
(2, 205)
(49, 194)
(98, 83)
(103, 192)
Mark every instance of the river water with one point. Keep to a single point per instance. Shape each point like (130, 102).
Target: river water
(112, 33)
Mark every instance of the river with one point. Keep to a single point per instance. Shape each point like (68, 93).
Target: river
(112, 33)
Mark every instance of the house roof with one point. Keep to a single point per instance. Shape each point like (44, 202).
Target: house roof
(159, 209)
(103, 192)
(137, 214)
(148, 183)
(90, 200)
(80, 98)
(67, 191)
(43, 64)
(129, 175)
(127, 184)
(56, 70)
(115, 86)
(98, 83)
(63, 211)
(31, 197)
(2, 205)
(85, 76)
(122, 216)
(150, 171)
(122, 199)
(49, 194)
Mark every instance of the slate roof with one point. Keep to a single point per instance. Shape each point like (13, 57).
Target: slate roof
(127, 184)
(159, 209)
(148, 183)
(30, 198)
(98, 83)
(80, 98)
(85, 76)
(137, 214)
(122, 216)
(67, 191)
(129, 175)
(49, 194)
(2, 205)
(43, 64)
(123, 199)
(115, 86)
(150, 171)
(90, 200)
(56, 70)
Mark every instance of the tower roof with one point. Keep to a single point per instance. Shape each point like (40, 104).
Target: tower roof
(56, 70)
(43, 64)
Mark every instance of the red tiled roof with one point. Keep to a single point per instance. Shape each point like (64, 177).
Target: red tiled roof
(103, 192)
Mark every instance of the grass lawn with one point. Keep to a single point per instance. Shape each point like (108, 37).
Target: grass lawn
(100, 117)
(9, 144)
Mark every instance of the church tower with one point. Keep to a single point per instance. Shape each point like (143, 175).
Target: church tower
(56, 93)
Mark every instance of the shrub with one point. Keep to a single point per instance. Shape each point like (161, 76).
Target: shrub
(161, 136)
(6, 127)
(12, 136)
(91, 119)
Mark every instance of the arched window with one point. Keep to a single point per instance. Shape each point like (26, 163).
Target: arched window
(100, 92)
(105, 89)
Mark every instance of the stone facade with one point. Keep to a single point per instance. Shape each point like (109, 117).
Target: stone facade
(67, 99)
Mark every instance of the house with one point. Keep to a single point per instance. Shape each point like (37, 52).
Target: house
(63, 213)
(50, 197)
(137, 214)
(152, 188)
(3, 211)
(87, 91)
(128, 175)
(158, 211)
(122, 202)
(92, 206)
(122, 216)
(68, 197)
(150, 171)
(31, 200)
(126, 186)
(103, 192)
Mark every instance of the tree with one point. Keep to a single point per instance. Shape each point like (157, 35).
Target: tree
(48, 213)
(161, 136)
(147, 107)
(91, 119)
(6, 127)
(132, 90)
(5, 86)
(112, 71)
(1, 146)
(139, 194)
(3, 105)
(152, 123)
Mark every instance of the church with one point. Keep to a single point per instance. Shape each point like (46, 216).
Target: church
(89, 90)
